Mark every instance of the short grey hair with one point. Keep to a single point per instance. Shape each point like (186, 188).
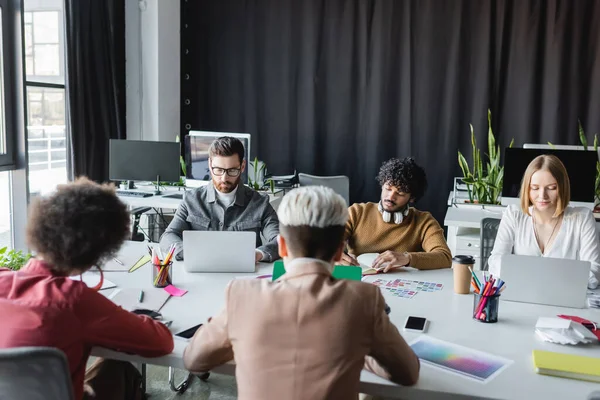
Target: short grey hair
(313, 206)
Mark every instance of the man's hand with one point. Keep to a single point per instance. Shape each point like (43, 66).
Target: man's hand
(394, 260)
(258, 256)
(349, 259)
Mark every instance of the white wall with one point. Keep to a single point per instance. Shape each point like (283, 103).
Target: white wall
(152, 69)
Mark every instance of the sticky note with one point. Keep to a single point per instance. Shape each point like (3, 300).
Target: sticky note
(173, 291)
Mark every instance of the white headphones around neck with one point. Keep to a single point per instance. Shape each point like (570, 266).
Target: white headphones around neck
(398, 216)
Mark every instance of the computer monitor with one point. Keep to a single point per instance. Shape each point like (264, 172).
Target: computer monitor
(558, 147)
(197, 144)
(580, 165)
(142, 160)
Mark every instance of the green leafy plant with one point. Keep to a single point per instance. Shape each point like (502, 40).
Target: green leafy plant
(253, 181)
(13, 259)
(484, 185)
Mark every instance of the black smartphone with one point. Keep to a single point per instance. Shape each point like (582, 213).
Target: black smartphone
(416, 324)
(149, 313)
(188, 333)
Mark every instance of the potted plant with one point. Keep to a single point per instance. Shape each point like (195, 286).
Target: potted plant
(257, 181)
(484, 185)
(13, 259)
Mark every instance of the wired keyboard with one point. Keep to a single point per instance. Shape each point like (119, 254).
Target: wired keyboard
(174, 196)
(131, 193)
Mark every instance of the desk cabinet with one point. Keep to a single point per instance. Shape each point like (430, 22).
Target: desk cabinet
(464, 241)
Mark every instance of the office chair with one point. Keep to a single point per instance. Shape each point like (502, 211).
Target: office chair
(34, 373)
(137, 213)
(487, 237)
(339, 183)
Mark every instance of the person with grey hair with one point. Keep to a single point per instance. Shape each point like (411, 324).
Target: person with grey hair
(306, 335)
(225, 204)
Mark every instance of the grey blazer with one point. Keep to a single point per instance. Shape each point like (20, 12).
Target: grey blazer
(199, 210)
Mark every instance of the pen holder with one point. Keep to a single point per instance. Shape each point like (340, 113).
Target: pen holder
(162, 275)
(485, 308)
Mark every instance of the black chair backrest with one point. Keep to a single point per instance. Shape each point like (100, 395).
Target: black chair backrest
(488, 231)
(34, 373)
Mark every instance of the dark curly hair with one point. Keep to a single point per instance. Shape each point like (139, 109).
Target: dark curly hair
(78, 226)
(405, 175)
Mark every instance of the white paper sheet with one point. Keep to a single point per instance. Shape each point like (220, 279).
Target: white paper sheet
(91, 279)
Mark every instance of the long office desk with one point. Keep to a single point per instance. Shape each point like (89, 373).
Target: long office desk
(164, 201)
(450, 319)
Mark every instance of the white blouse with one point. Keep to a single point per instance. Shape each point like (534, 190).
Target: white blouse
(576, 239)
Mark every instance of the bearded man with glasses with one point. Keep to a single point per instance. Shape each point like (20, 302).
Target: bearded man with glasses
(225, 204)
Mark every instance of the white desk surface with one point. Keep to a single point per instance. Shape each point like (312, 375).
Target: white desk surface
(160, 201)
(450, 319)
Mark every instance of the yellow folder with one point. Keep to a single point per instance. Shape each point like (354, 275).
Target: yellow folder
(567, 365)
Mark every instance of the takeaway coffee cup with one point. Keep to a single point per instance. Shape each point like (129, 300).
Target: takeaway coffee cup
(462, 274)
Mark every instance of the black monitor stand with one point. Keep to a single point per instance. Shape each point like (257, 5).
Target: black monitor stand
(157, 189)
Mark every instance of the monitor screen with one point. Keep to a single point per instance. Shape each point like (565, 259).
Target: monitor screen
(197, 144)
(142, 160)
(580, 165)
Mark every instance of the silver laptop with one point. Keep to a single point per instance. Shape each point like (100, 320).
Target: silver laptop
(219, 251)
(543, 280)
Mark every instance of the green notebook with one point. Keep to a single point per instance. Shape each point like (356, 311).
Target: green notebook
(339, 271)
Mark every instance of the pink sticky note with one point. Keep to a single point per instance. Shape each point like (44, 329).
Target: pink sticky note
(173, 291)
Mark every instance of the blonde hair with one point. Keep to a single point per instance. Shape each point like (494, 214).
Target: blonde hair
(553, 165)
(313, 206)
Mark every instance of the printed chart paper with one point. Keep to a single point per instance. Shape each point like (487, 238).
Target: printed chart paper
(406, 288)
(460, 360)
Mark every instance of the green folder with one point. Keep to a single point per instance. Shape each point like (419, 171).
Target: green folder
(339, 271)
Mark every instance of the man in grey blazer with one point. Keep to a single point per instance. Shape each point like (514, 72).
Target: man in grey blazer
(225, 204)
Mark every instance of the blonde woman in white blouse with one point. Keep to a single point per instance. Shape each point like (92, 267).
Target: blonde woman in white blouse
(545, 225)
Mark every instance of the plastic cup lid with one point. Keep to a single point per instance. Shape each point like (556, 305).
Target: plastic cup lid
(463, 260)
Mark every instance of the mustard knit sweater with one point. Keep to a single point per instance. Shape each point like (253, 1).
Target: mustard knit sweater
(419, 234)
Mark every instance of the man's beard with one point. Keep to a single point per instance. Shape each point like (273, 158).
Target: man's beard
(391, 206)
(226, 187)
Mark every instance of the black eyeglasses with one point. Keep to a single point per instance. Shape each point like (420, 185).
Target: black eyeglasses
(233, 172)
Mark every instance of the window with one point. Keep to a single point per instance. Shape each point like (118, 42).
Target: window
(43, 45)
(5, 210)
(46, 118)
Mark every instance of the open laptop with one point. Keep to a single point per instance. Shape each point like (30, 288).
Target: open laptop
(544, 280)
(219, 251)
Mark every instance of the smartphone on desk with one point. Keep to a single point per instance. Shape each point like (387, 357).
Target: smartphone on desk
(188, 333)
(416, 324)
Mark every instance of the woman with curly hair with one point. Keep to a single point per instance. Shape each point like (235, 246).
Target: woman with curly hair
(402, 235)
(75, 228)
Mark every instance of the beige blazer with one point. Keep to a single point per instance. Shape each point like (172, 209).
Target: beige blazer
(305, 336)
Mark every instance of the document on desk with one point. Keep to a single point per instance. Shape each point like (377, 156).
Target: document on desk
(91, 279)
(128, 298)
(469, 363)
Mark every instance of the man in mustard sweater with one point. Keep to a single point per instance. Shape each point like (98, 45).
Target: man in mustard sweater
(402, 235)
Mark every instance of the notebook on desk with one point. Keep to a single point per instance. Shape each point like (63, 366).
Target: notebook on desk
(567, 365)
(544, 280)
(219, 251)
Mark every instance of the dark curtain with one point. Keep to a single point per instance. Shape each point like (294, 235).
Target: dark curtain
(95, 36)
(338, 86)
